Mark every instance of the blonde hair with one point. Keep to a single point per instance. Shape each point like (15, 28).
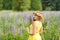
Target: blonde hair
(38, 13)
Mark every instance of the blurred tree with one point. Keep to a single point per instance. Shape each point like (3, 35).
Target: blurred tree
(51, 4)
(21, 5)
(15, 5)
(48, 8)
(7, 4)
(1, 5)
(58, 5)
(36, 5)
(47, 4)
(25, 5)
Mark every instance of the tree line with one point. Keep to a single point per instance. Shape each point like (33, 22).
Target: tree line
(28, 5)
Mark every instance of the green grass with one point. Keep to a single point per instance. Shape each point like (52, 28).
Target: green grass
(8, 32)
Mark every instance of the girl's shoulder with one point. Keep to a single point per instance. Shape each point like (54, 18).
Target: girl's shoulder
(38, 22)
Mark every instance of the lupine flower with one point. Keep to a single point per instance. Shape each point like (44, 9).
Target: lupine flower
(20, 30)
(59, 26)
(13, 30)
(48, 24)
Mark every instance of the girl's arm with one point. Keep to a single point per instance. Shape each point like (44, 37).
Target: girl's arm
(41, 30)
(34, 28)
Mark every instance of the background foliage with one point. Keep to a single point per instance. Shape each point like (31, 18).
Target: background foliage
(28, 5)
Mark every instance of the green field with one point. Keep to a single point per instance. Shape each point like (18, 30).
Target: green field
(13, 25)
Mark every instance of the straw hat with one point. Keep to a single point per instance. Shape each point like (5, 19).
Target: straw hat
(38, 14)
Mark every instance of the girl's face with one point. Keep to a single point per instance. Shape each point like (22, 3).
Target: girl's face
(35, 17)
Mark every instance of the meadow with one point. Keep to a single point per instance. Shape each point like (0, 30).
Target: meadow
(14, 25)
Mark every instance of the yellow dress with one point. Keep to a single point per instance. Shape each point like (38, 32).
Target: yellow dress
(36, 36)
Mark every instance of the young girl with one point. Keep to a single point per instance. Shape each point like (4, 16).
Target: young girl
(36, 27)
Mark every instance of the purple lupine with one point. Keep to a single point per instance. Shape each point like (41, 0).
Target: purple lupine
(47, 18)
(25, 18)
(20, 30)
(48, 24)
(16, 20)
(59, 26)
(13, 31)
